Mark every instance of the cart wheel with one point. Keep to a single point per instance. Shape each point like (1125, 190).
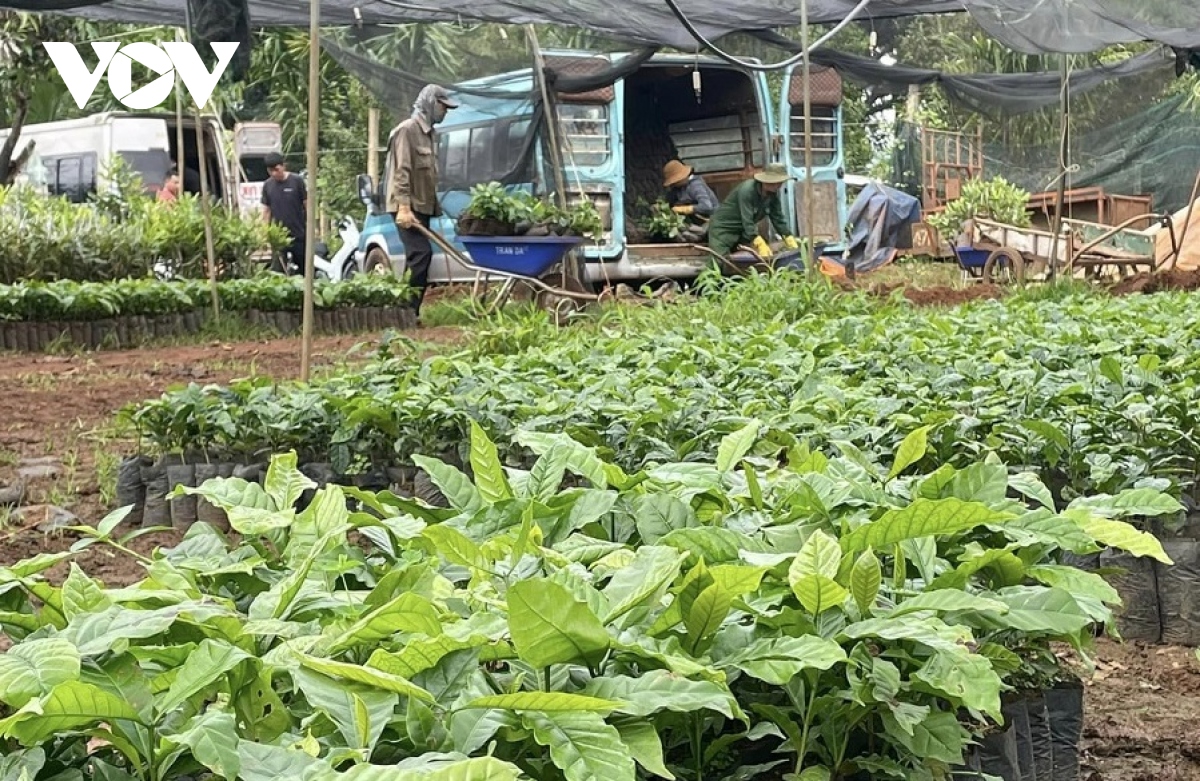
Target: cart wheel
(1004, 266)
(561, 307)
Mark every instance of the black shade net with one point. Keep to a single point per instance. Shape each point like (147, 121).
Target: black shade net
(1044, 26)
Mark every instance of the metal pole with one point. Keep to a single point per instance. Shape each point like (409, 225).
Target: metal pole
(206, 206)
(310, 214)
(809, 207)
(1063, 146)
(373, 144)
(572, 267)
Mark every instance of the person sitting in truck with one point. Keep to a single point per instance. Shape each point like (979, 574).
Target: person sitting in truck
(690, 197)
(169, 192)
(735, 222)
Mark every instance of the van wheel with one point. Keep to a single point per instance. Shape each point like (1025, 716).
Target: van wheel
(378, 263)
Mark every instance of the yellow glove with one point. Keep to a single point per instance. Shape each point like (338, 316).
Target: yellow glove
(405, 217)
(684, 209)
(789, 242)
(761, 248)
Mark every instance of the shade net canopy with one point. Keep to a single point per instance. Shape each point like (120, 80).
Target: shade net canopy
(1030, 26)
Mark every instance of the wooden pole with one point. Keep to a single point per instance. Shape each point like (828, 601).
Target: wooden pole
(373, 144)
(1063, 147)
(206, 206)
(809, 207)
(572, 266)
(310, 214)
(180, 157)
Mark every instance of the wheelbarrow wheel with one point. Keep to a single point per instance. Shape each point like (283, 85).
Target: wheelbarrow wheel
(560, 307)
(1004, 266)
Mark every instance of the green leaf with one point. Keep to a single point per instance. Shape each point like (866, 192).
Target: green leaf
(1076, 581)
(778, 660)
(1043, 527)
(366, 675)
(659, 690)
(582, 746)
(68, 706)
(922, 518)
(1040, 610)
(911, 450)
(928, 630)
(81, 594)
(548, 702)
(947, 601)
(819, 555)
(659, 514)
(1030, 485)
(549, 626)
(22, 765)
(359, 712)
(253, 522)
(712, 544)
(865, 579)
(1118, 534)
(204, 666)
(652, 568)
(705, 614)
(486, 466)
(641, 738)
(735, 446)
(261, 762)
(454, 485)
(213, 740)
(938, 737)
(1009, 569)
(581, 460)
(420, 654)
(1133, 502)
(97, 633)
(980, 482)
(408, 612)
(31, 669)
(229, 493)
(546, 476)
(284, 483)
(1048, 431)
(455, 546)
(966, 678)
(1110, 367)
(436, 769)
(818, 593)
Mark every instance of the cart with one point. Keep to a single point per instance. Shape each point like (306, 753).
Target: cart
(1002, 253)
(524, 259)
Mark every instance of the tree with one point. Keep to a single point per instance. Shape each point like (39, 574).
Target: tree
(24, 87)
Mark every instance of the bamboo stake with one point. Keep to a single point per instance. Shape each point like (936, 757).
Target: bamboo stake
(310, 214)
(809, 207)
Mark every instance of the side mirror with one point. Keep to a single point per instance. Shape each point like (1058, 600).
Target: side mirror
(366, 190)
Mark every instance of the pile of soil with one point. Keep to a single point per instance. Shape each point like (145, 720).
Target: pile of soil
(1147, 282)
(930, 296)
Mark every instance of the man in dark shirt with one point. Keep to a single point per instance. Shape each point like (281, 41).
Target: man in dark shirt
(285, 201)
(413, 182)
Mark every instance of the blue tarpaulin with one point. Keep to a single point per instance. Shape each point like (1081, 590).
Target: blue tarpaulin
(877, 221)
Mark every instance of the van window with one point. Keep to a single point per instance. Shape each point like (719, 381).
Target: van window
(824, 135)
(453, 149)
(151, 165)
(511, 152)
(585, 134)
(72, 177)
(718, 144)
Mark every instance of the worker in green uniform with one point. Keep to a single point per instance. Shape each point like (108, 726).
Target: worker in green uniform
(735, 221)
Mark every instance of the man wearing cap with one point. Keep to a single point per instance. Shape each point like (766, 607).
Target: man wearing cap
(735, 221)
(413, 182)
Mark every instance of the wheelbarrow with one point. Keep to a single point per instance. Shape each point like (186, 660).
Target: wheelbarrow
(523, 259)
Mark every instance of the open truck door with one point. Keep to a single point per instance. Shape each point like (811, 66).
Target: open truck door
(252, 142)
(828, 172)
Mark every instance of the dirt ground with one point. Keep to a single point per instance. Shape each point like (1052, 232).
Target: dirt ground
(1143, 704)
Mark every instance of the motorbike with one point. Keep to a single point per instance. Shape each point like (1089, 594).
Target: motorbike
(344, 263)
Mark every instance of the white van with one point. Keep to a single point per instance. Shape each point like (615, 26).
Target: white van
(73, 153)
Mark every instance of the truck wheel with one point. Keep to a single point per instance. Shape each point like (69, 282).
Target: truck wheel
(378, 263)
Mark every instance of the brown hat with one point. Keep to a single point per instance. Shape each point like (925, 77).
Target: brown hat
(675, 173)
(774, 173)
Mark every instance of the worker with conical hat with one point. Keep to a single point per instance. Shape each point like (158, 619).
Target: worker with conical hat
(735, 221)
(687, 193)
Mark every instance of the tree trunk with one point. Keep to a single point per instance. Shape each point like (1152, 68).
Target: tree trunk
(9, 171)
